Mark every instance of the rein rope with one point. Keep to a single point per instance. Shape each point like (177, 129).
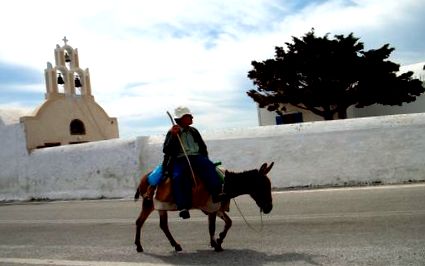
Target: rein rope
(243, 216)
(260, 232)
(246, 221)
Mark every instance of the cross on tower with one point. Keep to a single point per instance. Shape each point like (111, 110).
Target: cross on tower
(65, 40)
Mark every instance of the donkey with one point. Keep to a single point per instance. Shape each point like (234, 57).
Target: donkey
(254, 183)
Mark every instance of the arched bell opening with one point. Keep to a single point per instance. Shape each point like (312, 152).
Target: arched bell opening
(68, 56)
(77, 127)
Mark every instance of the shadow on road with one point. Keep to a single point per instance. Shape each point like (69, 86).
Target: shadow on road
(234, 257)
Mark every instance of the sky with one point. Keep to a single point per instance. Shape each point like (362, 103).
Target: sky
(148, 57)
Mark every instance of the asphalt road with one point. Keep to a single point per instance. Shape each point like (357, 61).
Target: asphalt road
(382, 225)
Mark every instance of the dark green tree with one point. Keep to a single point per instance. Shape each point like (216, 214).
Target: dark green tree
(326, 76)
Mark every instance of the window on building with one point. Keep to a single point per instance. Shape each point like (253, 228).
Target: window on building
(289, 118)
(77, 127)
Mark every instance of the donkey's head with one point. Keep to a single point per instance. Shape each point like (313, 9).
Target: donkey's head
(255, 183)
(262, 191)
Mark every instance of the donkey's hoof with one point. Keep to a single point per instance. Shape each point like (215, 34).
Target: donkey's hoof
(217, 246)
(139, 249)
(178, 248)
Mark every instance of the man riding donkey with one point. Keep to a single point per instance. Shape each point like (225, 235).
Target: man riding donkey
(185, 154)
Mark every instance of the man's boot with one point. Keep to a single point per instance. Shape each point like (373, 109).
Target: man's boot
(184, 214)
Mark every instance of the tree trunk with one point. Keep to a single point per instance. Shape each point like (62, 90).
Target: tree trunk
(342, 113)
(328, 115)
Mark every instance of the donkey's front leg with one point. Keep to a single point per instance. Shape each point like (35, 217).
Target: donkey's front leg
(163, 223)
(211, 228)
(227, 225)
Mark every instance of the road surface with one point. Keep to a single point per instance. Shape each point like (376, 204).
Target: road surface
(382, 225)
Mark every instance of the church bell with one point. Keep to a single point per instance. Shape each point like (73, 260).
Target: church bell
(67, 58)
(60, 79)
(77, 82)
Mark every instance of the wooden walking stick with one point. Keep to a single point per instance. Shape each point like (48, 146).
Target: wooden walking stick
(184, 150)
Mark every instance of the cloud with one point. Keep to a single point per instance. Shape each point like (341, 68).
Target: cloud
(16, 74)
(149, 57)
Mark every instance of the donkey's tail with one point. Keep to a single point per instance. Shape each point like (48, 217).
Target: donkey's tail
(141, 188)
(137, 195)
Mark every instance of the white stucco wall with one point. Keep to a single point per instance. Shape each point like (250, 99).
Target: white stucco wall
(12, 153)
(387, 149)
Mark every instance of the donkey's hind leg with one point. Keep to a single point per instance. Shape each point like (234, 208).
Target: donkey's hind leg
(163, 223)
(147, 208)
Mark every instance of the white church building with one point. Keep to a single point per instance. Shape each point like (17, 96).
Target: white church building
(69, 113)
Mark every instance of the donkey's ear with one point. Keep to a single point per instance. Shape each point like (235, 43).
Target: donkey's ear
(264, 169)
(269, 168)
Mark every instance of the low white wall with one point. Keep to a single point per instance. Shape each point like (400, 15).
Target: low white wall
(12, 154)
(92, 170)
(386, 149)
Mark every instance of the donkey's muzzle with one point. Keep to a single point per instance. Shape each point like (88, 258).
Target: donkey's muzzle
(268, 208)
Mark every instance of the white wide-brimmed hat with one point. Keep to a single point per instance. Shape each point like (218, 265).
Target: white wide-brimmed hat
(181, 111)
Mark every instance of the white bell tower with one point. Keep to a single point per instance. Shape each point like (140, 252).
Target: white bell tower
(66, 77)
